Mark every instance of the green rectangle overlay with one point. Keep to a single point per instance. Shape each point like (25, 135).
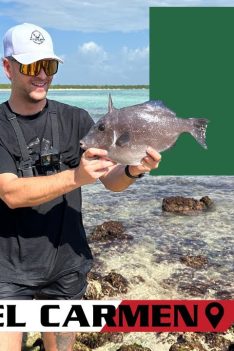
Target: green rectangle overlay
(192, 72)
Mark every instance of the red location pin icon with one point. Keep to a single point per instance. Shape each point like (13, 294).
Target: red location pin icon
(214, 313)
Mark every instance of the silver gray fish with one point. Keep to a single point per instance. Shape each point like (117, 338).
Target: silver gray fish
(125, 133)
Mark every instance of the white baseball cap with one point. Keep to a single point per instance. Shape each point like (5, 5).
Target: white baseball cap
(28, 43)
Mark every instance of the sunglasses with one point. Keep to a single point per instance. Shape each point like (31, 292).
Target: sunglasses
(33, 69)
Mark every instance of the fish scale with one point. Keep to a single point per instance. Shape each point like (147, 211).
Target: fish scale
(127, 132)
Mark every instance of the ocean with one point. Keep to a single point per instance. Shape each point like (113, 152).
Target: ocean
(95, 101)
(151, 262)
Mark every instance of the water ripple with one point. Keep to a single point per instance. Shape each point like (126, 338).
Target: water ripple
(160, 240)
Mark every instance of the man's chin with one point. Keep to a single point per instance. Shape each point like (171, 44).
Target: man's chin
(37, 96)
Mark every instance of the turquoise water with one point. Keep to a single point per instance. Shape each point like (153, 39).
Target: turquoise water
(95, 101)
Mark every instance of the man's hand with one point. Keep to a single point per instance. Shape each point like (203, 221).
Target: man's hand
(93, 165)
(149, 162)
(33, 191)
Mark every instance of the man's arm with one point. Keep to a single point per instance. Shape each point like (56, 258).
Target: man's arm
(27, 192)
(116, 179)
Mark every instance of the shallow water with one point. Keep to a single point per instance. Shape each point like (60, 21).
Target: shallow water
(159, 240)
(95, 101)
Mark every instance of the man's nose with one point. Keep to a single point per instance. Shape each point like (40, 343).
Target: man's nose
(42, 74)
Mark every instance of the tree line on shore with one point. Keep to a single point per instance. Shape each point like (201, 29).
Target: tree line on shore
(69, 86)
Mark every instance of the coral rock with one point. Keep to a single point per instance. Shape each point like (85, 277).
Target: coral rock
(109, 231)
(117, 281)
(194, 261)
(110, 285)
(133, 347)
(183, 205)
(94, 340)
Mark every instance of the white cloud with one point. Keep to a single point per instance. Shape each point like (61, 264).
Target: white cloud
(91, 48)
(91, 53)
(138, 54)
(93, 15)
(94, 65)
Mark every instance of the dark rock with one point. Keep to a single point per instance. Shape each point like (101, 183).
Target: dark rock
(216, 341)
(116, 337)
(109, 231)
(224, 295)
(187, 346)
(187, 342)
(94, 340)
(117, 281)
(80, 347)
(194, 261)
(108, 289)
(183, 205)
(194, 288)
(195, 342)
(207, 201)
(133, 347)
(110, 285)
(94, 276)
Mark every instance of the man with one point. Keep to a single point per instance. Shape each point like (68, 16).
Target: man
(43, 252)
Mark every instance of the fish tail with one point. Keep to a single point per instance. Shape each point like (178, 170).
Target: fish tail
(198, 130)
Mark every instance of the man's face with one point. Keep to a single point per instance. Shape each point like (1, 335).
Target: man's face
(30, 88)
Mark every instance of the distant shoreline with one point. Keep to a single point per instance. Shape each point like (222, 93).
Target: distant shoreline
(82, 87)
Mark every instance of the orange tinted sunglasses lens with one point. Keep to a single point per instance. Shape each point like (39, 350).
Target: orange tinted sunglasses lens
(33, 69)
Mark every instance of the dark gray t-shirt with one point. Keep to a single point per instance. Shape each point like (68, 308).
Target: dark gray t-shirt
(41, 243)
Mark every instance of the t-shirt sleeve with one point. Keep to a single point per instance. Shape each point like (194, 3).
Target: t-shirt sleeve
(7, 164)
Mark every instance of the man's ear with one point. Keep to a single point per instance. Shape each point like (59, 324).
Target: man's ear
(7, 67)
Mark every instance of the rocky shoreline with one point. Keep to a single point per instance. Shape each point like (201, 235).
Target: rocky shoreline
(183, 342)
(112, 284)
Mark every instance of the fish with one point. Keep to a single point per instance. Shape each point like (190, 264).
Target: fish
(127, 132)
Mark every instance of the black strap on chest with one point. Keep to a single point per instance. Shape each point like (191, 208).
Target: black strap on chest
(55, 130)
(26, 164)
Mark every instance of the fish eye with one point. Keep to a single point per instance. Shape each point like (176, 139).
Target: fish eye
(101, 127)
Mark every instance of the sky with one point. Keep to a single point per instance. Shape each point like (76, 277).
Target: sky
(101, 42)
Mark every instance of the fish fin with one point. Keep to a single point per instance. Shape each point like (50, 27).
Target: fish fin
(110, 104)
(198, 130)
(123, 139)
(160, 104)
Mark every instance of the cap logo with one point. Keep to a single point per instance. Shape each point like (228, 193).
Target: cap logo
(37, 37)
